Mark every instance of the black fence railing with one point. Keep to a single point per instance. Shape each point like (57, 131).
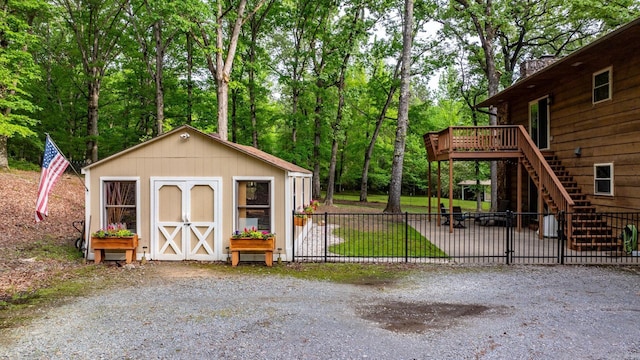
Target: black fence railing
(501, 238)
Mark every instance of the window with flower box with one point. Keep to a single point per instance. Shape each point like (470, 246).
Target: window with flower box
(120, 203)
(254, 204)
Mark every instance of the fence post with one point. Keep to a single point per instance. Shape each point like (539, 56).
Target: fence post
(508, 236)
(293, 236)
(326, 236)
(406, 236)
(561, 237)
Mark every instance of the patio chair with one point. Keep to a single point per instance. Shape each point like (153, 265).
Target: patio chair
(458, 216)
(497, 218)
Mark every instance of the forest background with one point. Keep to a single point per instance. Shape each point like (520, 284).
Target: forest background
(315, 82)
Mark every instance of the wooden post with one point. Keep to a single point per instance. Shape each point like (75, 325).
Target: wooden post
(450, 194)
(439, 194)
(519, 195)
(429, 190)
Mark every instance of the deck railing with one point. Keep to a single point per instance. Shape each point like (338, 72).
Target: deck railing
(478, 138)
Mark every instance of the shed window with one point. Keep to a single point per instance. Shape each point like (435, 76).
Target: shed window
(603, 179)
(254, 205)
(602, 85)
(120, 203)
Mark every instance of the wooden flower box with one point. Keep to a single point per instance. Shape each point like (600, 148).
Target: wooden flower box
(236, 245)
(127, 243)
(299, 221)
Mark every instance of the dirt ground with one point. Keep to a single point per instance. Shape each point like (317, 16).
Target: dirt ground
(20, 234)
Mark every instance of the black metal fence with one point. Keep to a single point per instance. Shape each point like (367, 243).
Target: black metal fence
(500, 238)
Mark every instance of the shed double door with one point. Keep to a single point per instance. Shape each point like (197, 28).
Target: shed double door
(186, 220)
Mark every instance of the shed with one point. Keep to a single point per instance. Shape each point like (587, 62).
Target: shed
(185, 192)
(467, 185)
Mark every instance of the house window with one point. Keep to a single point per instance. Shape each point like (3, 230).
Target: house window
(120, 203)
(254, 204)
(539, 122)
(602, 85)
(603, 179)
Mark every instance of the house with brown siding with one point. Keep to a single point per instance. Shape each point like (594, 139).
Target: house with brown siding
(568, 136)
(185, 192)
(583, 112)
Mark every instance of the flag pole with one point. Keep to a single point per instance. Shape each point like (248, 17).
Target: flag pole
(70, 164)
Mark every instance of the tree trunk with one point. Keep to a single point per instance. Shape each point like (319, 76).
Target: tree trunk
(223, 108)
(224, 66)
(4, 157)
(316, 191)
(157, 32)
(92, 116)
(364, 184)
(331, 184)
(234, 119)
(252, 85)
(189, 79)
(395, 188)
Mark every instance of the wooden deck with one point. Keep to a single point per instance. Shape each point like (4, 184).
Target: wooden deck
(545, 170)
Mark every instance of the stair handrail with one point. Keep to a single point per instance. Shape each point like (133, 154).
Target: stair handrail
(548, 179)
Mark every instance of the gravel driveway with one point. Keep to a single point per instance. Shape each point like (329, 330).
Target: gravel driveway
(440, 312)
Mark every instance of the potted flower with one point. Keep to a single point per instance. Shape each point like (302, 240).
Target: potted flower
(114, 237)
(254, 240)
(252, 233)
(113, 230)
(300, 217)
(315, 204)
(308, 210)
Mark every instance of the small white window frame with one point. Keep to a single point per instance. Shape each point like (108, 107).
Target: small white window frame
(271, 180)
(608, 85)
(103, 214)
(596, 179)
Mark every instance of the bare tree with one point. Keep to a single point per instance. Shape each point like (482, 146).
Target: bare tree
(395, 187)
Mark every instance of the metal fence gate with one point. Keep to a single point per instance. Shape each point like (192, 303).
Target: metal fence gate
(499, 238)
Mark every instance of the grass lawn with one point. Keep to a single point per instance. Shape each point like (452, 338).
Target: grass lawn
(415, 204)
(384, 241)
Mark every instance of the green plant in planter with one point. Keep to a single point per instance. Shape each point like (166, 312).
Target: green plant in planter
(308, 209)
(114, 230)
(252, 233)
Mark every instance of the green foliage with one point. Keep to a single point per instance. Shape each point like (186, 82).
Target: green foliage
(17, 67)
(19, 164)
(289, 58)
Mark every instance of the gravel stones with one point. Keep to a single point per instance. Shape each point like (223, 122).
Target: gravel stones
(498, 312)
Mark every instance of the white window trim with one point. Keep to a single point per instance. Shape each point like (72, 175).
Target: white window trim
(103, 216)
(271, 181)
(609, 84)
(595, 187)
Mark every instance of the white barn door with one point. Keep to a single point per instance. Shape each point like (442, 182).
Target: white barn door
(186, 220)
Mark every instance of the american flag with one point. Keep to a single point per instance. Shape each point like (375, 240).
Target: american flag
(53, 165)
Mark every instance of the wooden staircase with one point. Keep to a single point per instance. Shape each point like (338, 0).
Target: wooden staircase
(588, 231)
(584, 228)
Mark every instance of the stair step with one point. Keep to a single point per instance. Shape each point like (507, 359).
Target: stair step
(597, 245)
(584, 208)
(593, 236)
